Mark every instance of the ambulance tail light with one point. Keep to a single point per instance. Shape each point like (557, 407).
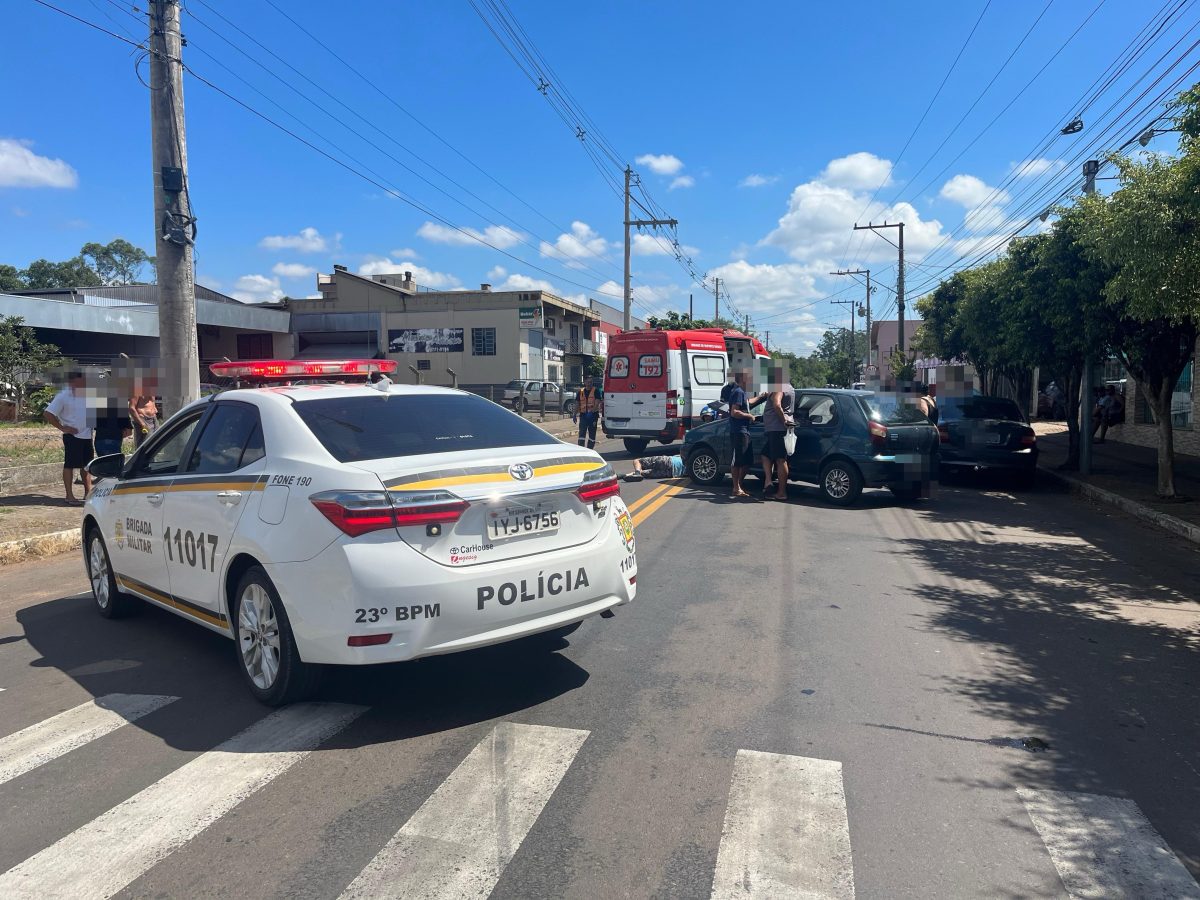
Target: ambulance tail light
(599, 484)
(672, 404)
(360, 512)
(878, 434)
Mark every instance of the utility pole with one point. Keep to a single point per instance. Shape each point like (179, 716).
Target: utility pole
(716, 299)
(653, 223)
(1090, 168)
(746, 330)
(899, 272)
(767, 340)
(866, 272)
(174, 227)
(853, 304)
(690, 316)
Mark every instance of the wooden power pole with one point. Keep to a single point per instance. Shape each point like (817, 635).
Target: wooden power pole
(174, 227)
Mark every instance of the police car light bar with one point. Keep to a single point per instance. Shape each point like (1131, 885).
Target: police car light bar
(301, 368)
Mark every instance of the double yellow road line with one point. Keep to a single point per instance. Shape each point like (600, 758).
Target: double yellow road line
(647, 505)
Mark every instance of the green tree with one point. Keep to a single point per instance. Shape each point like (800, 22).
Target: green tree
(10, 279)
(677, 321)
(23, 360)
(117, 262)
(842, 356)
(1149, 232)
(42, 274)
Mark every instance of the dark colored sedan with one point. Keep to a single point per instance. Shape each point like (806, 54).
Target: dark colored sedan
(986, 433)
(845, 441)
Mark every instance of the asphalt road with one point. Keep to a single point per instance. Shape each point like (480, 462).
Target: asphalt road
(801, 699)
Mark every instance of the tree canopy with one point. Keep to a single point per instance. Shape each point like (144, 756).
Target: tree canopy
(117, 262)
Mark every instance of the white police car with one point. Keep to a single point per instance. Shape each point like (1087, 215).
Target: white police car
(349, 524)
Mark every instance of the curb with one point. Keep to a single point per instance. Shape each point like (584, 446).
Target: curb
(1159, 519)
(40, 545)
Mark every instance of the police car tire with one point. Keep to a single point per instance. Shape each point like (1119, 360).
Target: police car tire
(119, 604)
(295, 679)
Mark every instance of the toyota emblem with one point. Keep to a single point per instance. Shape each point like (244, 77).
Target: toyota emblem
(521, 471)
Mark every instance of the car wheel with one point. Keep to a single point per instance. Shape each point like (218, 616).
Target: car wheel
(636, 446)
(552, 639)
(110, 601)
(704, 467)
(520, 404)
(908, 493)
(840, 482)
(267, 653)
(569, 407)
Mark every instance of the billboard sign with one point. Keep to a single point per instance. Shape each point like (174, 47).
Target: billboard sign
(531, 316)
(425, 340)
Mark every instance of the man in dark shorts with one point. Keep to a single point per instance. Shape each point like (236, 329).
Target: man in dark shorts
(69, 414)
(740, 420)
(777, 418)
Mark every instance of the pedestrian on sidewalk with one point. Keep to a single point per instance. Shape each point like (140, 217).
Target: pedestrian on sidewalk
(589, 406)
(777, 419)
(68, 413)
(656, 467)
(740, 419)
(1109, 411)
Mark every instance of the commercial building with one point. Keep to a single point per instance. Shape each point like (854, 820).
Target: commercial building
(472, 337)
(95, 325)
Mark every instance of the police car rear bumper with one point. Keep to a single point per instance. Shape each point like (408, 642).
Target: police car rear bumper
(376, 585)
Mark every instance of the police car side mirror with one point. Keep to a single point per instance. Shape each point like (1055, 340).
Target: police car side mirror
(109, 466)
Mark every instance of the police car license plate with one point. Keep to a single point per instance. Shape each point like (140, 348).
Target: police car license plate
(510, 523)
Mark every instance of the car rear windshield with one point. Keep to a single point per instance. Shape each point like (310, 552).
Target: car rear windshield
(354, 429)
(887, 409)
(954, 408)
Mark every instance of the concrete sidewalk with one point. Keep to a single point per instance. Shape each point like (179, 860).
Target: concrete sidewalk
(1126, 476)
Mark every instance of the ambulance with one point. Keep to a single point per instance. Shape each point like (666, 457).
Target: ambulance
(657, 381)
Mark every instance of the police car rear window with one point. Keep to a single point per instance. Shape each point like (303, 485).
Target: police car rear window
(354, 429)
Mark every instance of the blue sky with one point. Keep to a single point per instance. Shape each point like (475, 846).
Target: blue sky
(764, 128)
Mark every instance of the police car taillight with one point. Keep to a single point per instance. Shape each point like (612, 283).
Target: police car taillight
(360, 512)
(276, 369)
(599, 483)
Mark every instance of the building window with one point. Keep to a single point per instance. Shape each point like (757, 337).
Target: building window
(483, 341)
(422, 365)
(255, 346)
(549, 325)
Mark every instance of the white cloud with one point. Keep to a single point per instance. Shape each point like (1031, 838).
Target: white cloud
(293, 270)
(406, 252)
(309, 240)
(22, 168)
(497, 273)
(575, 248)
(656, 297)
(858, 172)
(256, 289)
(382, 265)
(1032, 168)
(970, 191)
(660, 163)
(519, 282)
(818, 223)
(755, 180)
(646, 244)
(497, 235)
(683, 181)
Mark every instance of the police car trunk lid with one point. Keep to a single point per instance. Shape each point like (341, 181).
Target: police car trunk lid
(522, 501)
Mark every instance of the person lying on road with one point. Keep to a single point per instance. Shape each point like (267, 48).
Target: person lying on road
(656, 467)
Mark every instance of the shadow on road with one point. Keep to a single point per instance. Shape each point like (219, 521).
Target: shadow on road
(156, 652)
(1099, 644)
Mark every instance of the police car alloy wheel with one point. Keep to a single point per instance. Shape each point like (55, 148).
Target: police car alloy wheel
(266, 648)
(110, 602)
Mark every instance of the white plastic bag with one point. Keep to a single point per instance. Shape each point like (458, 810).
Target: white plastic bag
(789, 441)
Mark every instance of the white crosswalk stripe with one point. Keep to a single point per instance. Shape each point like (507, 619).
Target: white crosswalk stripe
(108, 853)
(458, 843)
(786, 833)
(1104, 847)
(39, 744)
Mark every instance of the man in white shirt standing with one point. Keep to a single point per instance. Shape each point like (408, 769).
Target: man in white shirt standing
(69, 414)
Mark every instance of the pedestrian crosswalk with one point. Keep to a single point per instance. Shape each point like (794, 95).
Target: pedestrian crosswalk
(786, 829)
